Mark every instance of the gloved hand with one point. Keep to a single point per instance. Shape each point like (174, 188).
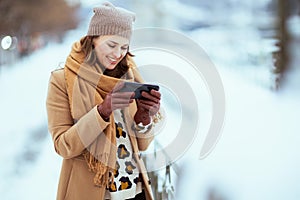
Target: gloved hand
(114, 100)
(148, 107)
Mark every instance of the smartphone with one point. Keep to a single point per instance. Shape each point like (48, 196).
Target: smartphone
(138, 88)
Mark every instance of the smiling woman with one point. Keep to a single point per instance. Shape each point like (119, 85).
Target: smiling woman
(110, 50)
(92, 122)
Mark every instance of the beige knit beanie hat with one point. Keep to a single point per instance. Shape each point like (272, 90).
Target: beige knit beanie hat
(111, 20)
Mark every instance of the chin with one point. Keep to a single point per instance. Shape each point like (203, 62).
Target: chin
(110, 67)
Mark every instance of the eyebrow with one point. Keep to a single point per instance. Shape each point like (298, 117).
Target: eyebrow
(117, 43)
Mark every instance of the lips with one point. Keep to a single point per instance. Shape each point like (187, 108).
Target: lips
(112, 60)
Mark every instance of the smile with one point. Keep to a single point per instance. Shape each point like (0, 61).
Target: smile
(112, 59)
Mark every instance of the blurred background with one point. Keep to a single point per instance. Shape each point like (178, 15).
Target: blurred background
(255, 46)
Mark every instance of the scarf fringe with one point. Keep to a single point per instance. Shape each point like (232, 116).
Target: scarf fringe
(103, 174)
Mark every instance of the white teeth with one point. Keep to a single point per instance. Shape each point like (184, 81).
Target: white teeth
(111, 59)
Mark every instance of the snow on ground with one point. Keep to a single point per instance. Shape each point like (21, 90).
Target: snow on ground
(28, 160)
(257, 156)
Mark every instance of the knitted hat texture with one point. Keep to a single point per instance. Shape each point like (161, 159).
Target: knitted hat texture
(111, 20)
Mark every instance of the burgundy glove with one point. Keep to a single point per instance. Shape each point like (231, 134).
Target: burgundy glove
(114, 100)
(148, 107)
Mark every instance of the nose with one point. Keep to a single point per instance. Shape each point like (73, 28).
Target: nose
(117, 53)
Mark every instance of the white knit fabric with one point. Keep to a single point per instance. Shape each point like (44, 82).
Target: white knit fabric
(128, 170)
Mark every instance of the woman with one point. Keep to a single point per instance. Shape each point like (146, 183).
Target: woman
(98, 130)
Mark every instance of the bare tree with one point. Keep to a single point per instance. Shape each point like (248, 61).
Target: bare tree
(19, 17)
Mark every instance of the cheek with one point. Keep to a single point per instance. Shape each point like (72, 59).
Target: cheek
(101, 53)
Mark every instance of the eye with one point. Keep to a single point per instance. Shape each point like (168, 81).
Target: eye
(124, 48)
(111, 45)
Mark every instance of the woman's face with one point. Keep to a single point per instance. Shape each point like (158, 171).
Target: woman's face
(110, 49)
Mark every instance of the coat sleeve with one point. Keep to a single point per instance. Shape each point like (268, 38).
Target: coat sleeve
(69, 139)
(144, 140)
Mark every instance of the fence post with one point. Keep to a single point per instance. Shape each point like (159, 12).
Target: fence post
(281, 57)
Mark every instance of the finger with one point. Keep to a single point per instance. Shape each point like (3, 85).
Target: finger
(123, 95)
(148, 98)
(120, 105)
(118, 86)
(140, 104)
(155, 93)
(121, 100)
(151, 97)
(147, 102)
(152, 110)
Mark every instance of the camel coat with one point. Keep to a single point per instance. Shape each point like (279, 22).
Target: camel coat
(76, 181)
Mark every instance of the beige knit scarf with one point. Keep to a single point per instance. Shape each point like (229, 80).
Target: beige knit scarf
(87, 87)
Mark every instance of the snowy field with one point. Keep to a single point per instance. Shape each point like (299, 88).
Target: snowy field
(28, 160)
(256, 158)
